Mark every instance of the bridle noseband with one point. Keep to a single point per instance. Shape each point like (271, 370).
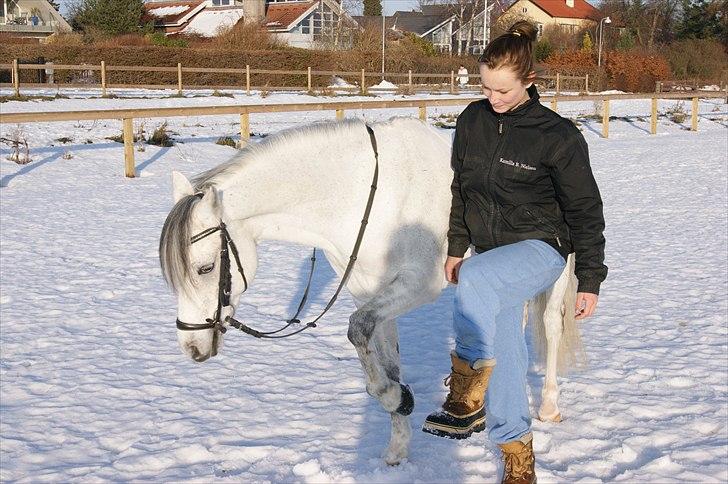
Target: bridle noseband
(225, 281)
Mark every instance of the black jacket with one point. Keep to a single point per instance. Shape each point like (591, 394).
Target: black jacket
(523, 175)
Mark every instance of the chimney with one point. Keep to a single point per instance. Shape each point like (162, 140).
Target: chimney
(570, 3)
(254, 11)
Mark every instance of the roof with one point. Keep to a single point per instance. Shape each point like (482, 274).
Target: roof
(210, 23)
(559, 8)
(417, 22)
(171, 12)
(282, 15)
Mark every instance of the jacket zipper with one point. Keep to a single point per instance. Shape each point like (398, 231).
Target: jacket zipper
(547, 224)
(493, 161)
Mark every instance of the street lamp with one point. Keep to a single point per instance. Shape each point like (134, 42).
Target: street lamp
(605, 20)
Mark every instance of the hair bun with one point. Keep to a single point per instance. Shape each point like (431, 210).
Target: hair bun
(523, 28)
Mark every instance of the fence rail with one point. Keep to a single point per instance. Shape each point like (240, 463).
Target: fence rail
(449, 79)
(244, 110)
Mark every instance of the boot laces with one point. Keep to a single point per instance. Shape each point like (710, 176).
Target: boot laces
(460, 386)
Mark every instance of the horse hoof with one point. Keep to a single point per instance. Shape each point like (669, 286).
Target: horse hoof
(552, 418)
(407, 404)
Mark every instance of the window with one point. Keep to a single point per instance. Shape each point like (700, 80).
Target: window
(540, 29)
(524, 10)
(217, 3)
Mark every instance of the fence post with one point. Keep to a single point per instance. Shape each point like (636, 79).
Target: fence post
(244, 129)
(694, 115)
(554, 105)
(129, 168)
(309, 79)
(339, 114)
(16, 78)
(605, 118)
(103, 79)
(179, 78)
(586, 84)
(653, 119)
(658, 87)
(409, 79)
(452, 82)
(558, 83)
(247, 79)
(423, 113)
(363, 82)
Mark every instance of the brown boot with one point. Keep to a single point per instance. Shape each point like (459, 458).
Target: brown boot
(518, 461)
(463, 412)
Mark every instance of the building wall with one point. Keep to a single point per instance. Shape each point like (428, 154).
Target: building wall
(528, 9)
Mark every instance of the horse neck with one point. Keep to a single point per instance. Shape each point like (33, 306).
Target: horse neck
(295, 195)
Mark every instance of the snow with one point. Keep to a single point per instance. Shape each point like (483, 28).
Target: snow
(169, 11)
(384, 85)
(94, 387)
(210, 23)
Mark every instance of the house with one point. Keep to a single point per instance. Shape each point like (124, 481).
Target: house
(31, 18)
(435, 23)
(571, 15)
(297, 23)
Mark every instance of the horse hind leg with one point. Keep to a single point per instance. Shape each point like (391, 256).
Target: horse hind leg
(553, 321)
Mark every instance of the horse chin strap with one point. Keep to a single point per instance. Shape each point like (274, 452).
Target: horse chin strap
(225, 282)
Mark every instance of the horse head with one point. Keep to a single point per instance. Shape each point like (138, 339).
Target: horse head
(206, 262)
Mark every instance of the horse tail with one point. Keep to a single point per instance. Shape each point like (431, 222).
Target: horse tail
(560, 301)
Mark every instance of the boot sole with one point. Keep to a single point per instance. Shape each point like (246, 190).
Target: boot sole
(454, 432)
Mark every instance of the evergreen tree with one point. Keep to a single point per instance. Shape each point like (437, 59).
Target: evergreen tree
(626, 41)
(373, 7)
(112, 17)
(586, 43)
(54, 4)
(704, 19)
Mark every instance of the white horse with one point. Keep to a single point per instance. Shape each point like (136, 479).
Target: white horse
(310, 186)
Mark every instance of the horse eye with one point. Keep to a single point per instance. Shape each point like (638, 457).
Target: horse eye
(206, 269)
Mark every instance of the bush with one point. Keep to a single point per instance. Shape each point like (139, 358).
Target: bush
(573, 62)
(542, 49)
(226, 141)
(161, 137)
(158, 38)
(703, 59)
(634, 71)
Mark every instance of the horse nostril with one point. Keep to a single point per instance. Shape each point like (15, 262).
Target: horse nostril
(194, 352)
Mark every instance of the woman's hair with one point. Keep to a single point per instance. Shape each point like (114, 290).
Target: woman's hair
(514, 49)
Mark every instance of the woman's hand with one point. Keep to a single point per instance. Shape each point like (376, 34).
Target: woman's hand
(452, 268)
(586, 304)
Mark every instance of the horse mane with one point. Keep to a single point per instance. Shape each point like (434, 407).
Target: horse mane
(174, 242)
(295, 136)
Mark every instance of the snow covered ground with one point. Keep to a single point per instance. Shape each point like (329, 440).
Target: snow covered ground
(94, 387)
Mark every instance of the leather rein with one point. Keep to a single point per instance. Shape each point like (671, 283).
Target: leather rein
(227, 245)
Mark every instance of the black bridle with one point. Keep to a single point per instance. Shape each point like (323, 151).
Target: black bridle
(225, 281)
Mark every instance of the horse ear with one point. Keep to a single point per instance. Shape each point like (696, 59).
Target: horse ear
(181, 186)
(211, 202)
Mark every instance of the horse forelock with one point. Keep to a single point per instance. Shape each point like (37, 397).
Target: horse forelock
(174, 244)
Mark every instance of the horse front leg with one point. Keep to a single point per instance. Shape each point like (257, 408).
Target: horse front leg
(373, 332)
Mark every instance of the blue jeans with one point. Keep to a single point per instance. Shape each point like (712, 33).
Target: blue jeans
(489, 297)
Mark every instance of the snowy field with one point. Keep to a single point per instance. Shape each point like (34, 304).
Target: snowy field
(94, 387)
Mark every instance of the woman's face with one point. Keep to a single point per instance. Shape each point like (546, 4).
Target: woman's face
(503, 88)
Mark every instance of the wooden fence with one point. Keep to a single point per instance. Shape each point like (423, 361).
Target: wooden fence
(245, 110)
(406, 82)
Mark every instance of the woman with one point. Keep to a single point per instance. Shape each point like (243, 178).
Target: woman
(524, 196)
